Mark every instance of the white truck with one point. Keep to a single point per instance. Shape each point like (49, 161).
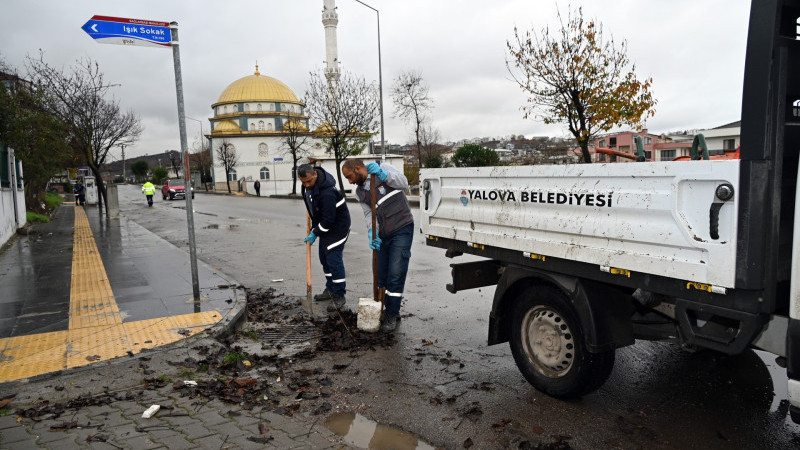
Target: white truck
(588, 258)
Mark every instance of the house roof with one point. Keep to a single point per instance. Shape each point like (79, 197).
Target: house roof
(738, 123)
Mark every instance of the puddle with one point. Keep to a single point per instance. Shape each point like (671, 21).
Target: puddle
(361, 432)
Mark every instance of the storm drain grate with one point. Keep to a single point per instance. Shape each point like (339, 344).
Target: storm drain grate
(293, 334)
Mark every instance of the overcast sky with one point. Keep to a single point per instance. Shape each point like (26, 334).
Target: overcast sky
(693, 49)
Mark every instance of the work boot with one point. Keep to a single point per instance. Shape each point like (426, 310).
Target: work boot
(337, 303)
(389, 322)
(325, 295)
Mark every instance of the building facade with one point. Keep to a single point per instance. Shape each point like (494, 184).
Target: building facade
(656, 148)
(250, 119)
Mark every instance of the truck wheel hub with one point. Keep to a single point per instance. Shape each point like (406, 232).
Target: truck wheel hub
(548, 341)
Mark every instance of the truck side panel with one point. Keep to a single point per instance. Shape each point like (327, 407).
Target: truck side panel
(652, 218)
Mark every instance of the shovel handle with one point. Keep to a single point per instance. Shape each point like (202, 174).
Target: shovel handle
(375, 294)
(308, 265)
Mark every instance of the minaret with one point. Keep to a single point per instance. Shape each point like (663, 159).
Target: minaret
(329, 20)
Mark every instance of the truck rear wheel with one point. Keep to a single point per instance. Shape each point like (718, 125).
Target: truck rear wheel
(549, 348)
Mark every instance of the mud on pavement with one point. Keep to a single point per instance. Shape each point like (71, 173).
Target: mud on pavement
(273, 381)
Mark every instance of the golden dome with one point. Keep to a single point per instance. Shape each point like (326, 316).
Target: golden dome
(296, 124)
(257, 88)
(324, 130)
(227, 126)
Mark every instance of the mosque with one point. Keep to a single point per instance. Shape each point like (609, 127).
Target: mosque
(251, 117)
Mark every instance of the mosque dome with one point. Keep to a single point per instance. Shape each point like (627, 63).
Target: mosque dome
(227, 126)
(256, 88)
(294, 124)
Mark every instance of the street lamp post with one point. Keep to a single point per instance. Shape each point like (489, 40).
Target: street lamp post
(380, 80)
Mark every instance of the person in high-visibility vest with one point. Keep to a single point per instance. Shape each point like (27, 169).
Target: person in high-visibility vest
(149, 190)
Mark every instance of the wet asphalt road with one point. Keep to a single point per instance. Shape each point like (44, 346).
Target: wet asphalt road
(658, 396)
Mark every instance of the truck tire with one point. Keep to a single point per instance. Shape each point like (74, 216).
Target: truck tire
(549, 348)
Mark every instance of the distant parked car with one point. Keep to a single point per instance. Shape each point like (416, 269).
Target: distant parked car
(173, 189)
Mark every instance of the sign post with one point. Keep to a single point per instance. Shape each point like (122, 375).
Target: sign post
(151, 33)
(275, 173)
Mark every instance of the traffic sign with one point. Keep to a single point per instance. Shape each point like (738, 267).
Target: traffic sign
(278, 159)
(122, 31)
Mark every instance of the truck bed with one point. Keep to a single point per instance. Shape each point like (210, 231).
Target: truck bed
(621, 217)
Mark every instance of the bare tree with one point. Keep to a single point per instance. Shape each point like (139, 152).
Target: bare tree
(412, 102)
(430, 148)
(343, 111)
(175, 162)
(227, 157)
(95, 124)
(200, 161)
(295, 138)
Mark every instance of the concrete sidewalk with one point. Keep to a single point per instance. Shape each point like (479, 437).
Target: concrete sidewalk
(82, 290)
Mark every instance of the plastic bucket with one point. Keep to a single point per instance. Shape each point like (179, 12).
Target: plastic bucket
(369, 315)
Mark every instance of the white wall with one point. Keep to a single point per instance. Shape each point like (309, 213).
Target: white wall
(8, 222)
(714, 137)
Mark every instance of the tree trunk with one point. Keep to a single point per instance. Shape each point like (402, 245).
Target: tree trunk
(294, 176)
(339, 174)
(587, 157)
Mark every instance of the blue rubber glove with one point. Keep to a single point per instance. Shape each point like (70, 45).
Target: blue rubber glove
(374, 244)
(374, 168)
(310, 238)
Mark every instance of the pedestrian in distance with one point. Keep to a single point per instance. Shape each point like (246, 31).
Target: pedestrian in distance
(80, 193)
(149, 190)
(257, 187)
(330, 221)
(395, 229)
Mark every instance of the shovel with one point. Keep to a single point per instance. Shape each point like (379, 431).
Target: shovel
(308, 268)
(370, 309)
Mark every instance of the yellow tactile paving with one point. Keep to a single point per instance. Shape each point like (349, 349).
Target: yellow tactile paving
(27, 356)
(96, 331)
(158, 332)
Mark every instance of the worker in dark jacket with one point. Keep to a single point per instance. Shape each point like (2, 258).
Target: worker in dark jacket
(330, 221)
(395, 228)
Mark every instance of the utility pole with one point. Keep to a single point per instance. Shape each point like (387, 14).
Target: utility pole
(123, 162)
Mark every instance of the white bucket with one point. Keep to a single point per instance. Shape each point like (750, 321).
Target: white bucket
(369, 315)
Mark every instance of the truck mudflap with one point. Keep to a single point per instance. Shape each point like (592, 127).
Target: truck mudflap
(722, 329)
(604, 310)
(793, 367)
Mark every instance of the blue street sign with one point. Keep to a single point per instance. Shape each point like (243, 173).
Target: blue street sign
(121, 31)
(278, 159)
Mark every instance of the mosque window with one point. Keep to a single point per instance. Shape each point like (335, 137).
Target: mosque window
(247, 106)
(252, 125)
(272, 107)
(270, 127)
(262, 150)
(232, 175)
(264, 173)
(260, 125)
(258, 107)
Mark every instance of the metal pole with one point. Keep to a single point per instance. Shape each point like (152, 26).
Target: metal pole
(176, 57)
(380, 89)
(380, 80)
(123, 162)
(275, 176)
